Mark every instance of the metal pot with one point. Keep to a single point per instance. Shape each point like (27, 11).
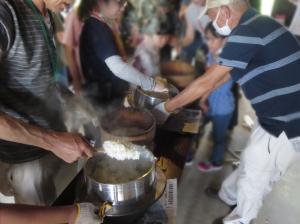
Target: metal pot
(178, 73)
(146, 99)
(128, 125)
(106, 177)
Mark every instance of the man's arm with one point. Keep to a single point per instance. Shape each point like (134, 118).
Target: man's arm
(69, 42)
(189, 34)
(69, 147)
(74, 214)
(16, 214)
(201, 87)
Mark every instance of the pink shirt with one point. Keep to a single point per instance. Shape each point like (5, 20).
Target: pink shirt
(73, 28)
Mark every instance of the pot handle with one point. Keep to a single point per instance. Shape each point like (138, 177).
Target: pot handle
(104, 208)
(160, 164)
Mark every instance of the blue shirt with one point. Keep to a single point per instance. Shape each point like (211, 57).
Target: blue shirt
(265, 58)
(221, 100)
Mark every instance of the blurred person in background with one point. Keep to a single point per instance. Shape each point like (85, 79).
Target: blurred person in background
(61, 75)
(219, 107)
(130, 26)
(147, 55)
(183, 7)
(107, 74)
(73, 27)
(295, 25)
(194, 37)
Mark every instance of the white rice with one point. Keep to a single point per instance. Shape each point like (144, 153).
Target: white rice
(120, 151)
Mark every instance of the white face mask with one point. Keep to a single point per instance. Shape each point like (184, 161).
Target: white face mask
(225, 30)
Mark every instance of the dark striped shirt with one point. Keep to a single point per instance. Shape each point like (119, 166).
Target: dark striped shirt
(265, 58)
(26, 77)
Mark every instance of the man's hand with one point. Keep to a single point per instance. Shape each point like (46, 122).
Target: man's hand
(204, 103)
(86, 213)
(204, 106)
(160, 113)
(214, 77)
(68, 146)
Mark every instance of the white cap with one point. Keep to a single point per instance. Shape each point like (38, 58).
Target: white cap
(217, 3)
(214, 4)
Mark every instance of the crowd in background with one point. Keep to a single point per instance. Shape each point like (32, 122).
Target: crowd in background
(103, 47)
(102, 40)
(177, 25)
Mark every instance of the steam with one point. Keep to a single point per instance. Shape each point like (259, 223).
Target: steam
(81, 115)
(78, 111)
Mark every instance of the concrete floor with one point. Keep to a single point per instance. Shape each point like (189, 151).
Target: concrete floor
(282, 206)
(194, 207)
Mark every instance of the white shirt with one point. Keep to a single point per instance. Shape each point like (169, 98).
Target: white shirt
(295, 25)
(147, 59)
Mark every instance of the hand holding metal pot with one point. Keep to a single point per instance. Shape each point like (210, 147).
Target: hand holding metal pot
(150, 99)
(87, 213)
(154, 101)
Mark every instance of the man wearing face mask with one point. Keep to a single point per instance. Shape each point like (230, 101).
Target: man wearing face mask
(33, 138)
(264, 58)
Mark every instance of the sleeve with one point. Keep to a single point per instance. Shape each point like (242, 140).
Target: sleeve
(136, 63)
(6, 28)
(143, 63)
(128, 73)
(241, 47)
(101, 39)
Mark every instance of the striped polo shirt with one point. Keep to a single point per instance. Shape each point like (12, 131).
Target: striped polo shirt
(26, 77)
(265, 58)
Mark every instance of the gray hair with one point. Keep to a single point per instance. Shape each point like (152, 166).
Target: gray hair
(240, 4)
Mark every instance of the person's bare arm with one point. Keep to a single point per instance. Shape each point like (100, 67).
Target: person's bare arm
(201, 87)
(182, 10)
(16, 214)
(67, 146)
(73, 68)
(189, 35)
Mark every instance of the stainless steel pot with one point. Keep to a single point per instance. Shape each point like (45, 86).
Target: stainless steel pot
(128, 125)
(148, 100)
(178, 73)
(100, 171)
